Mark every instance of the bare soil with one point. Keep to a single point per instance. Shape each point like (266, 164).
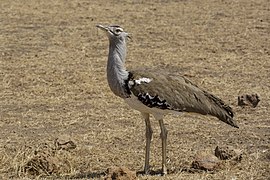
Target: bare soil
(53, 86)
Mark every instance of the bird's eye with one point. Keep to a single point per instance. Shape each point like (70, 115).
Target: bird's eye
(118, 30)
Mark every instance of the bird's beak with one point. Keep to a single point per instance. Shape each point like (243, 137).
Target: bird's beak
(103, 28)
(106, 29)
(129, 37)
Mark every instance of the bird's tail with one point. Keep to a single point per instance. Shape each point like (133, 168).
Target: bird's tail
(222, 111)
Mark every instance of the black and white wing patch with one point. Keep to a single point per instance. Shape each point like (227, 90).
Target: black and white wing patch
(138, 87)
(153, 101)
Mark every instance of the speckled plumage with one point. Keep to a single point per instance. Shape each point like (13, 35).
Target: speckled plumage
(180, 95)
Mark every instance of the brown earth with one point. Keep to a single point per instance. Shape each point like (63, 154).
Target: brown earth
(53, 85)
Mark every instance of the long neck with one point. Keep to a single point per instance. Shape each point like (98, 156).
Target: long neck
(116, 71)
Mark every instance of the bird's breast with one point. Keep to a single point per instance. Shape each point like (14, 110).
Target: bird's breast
(138, 105)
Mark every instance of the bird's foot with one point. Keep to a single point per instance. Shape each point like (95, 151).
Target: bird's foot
(164, 170)
(146, 170)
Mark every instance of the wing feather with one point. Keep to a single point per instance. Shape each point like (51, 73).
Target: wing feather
(180, 94)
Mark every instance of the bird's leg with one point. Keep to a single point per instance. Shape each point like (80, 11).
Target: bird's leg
(163, 136)
(148, 135)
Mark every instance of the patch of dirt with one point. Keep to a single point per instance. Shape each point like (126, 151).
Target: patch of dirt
(120, 173)
(206, 161)
(248, 100)
(228, 153)
(43, 163)
(46, 159)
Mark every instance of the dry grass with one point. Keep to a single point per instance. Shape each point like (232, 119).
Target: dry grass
(53, 85)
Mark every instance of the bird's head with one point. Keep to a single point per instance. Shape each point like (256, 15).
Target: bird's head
(114, 32)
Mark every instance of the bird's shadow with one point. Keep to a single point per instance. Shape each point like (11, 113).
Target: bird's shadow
(174, 171)
(91, 175)
(151, 173)
(100, 174)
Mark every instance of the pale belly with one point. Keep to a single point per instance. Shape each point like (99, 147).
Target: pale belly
(134, 103)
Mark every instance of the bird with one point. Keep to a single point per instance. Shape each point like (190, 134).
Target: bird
(157, 92)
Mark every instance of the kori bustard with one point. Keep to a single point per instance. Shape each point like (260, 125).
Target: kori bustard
(157, 92)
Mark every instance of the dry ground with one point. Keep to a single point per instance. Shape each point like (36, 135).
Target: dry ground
(53, 84)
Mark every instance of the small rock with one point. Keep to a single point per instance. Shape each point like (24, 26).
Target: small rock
(248, 100)
(228, 153)
(206, 161)
(120, 173)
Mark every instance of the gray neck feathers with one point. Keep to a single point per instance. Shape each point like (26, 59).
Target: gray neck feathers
(116, 71)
